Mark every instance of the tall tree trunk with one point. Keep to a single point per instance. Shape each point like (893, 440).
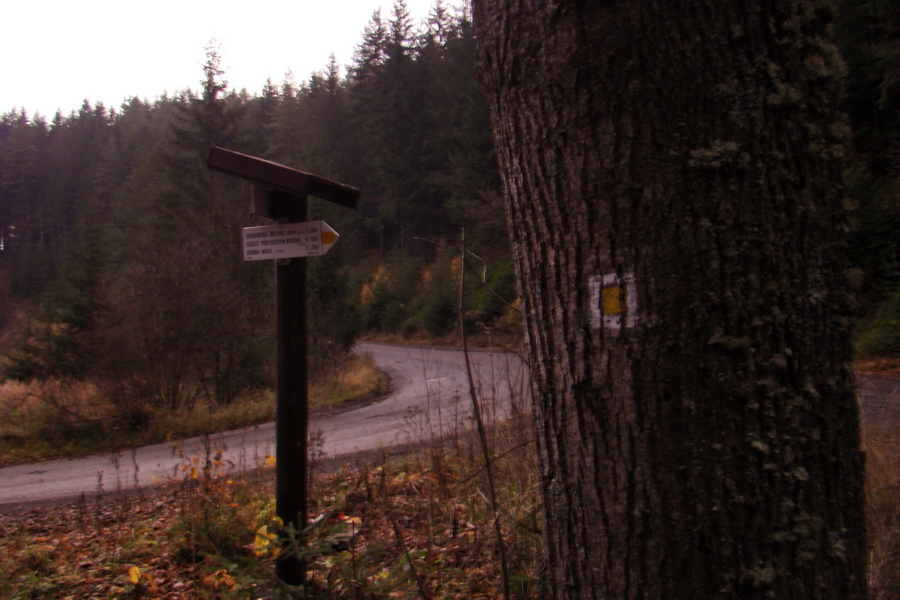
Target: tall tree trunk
(672, 178)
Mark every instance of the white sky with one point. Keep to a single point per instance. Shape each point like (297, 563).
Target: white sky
(56, 53)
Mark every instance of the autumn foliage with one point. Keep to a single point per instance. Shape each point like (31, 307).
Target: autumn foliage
(418, 525)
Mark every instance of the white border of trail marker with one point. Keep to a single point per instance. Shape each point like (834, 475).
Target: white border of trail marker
(613, 301)
(288, 240)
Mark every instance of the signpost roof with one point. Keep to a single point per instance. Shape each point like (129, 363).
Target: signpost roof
(281, 177)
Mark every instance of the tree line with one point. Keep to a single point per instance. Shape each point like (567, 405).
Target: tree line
(110, 221)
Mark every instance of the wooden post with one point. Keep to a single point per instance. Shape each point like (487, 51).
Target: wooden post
(292, 399)
(281, 195)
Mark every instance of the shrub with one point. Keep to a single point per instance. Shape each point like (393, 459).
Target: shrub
(881, 338)
(499, 290)
(438, 303)
(388, 295)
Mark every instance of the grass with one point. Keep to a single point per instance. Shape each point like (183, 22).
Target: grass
(883, 513)
(353, 380)
(881, 366)
(50, 419)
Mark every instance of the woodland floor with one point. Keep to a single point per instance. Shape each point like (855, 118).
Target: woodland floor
(409, 527)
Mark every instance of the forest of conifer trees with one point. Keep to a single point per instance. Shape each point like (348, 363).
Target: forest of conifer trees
(114, 234)
(120, 253)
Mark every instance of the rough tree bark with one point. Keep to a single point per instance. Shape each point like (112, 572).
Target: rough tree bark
(672, 176)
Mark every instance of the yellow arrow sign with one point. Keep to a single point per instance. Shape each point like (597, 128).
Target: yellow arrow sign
(288, 240)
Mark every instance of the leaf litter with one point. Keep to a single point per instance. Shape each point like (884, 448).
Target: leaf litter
(413, 527)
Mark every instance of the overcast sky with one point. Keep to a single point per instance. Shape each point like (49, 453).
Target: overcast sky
(56, 53)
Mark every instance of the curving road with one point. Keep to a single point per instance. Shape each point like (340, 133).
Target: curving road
(430, 399)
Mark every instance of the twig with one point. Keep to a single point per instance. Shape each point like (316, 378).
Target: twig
(479, 422)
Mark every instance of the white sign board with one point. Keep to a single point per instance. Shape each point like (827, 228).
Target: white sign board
(288, 240)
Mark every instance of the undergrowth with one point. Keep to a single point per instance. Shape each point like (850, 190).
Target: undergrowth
(56, 418)
(413, 526)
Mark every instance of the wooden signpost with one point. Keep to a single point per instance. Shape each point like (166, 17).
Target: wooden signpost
(280, 194)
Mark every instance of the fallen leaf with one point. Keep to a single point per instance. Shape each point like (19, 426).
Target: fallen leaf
(134, 575)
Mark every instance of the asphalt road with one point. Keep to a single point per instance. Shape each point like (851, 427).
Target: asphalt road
(430, 399)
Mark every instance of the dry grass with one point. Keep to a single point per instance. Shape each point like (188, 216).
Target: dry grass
(509, 337)
(883, 513)
(879, 366)
(50, 418)
(19, 399)
(56, 418)
(417, 525)
(355, 379)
